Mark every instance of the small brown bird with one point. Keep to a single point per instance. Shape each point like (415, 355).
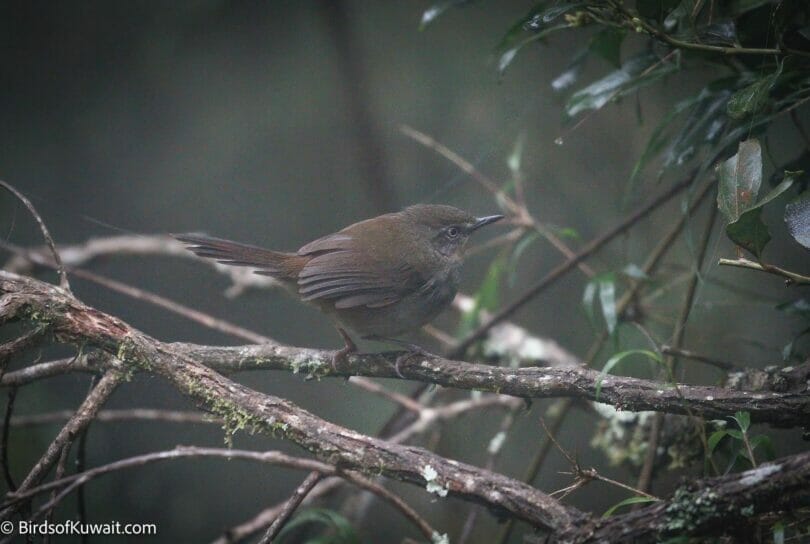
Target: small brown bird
(380, 277)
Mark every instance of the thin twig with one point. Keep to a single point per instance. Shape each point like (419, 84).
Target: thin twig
(648, 466)
(560, 270)
(791, 277)
(63, 279)
(687, 354)
(137, 293)
(520, 212)
(12, 394)
(108, 416)
(83, 416)
(70, 483)
(558, 411)
(290, 506)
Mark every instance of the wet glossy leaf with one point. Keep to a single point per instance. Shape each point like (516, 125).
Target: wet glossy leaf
(571, 73)
(635, 272)
(797, 218)
(618, 358)
(753, 98)
(608, 45)
(549, 14)
(341, 529)
(799, 307)
(740, 180)
(634, 74)
(656, 9)
(486, 297)
(517, 31)
(520, 247)
(715, 439)
(607, 298)
(764, 444)
(507, 56)
(719, 33)
(638, 499)
(749, 231)
(434, 11)
(738, 7)
(658, 141)
(743, 419)
(602, 287)
(797, 167)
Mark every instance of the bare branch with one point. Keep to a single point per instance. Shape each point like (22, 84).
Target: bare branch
(290, 506)
(560, 270)
(242, 407)
(63, 279)
(790, 277)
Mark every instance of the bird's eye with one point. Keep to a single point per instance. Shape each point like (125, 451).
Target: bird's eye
(453, 232)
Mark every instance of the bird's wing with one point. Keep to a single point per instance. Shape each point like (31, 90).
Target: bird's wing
(350, 272)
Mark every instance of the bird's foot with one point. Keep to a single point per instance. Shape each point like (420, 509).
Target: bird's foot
(414, 350)
(341, 356)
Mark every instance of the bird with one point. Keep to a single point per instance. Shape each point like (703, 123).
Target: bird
(380, 278)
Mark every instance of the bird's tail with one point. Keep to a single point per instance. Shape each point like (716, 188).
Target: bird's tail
(269, 263)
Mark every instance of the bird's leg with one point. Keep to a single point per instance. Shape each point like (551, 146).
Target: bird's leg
(340, 356)
(413, 349)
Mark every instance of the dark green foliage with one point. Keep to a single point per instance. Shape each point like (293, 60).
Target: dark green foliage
(332, 528)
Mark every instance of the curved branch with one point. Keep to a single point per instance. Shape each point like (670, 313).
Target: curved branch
(243, 408)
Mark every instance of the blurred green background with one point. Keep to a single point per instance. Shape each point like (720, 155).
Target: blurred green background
(274, 123)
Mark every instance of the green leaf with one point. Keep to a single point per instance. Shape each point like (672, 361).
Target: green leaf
(627, 502)
(607, 298)
(486, 298)
(517, 31)
(560, 7)
(753, 98)
(619, 357)
(658, 140)
(516, 157)
(517, 252)
(603, 285)
(637, 72)
(571, 73)
(588, 298)
(705, 123)
(608, 44)
(749, 231)
(740, 180)
(799, 307)
(738, 7)
(342, 530)
(634, 271)
(656, 9)
(434, 11)
(765, 444)
(797, 218)
(507, 56)
(778, 531)
(743, 419)
(715, 439)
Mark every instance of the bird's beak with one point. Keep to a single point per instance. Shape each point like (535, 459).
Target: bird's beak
(482, 221)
